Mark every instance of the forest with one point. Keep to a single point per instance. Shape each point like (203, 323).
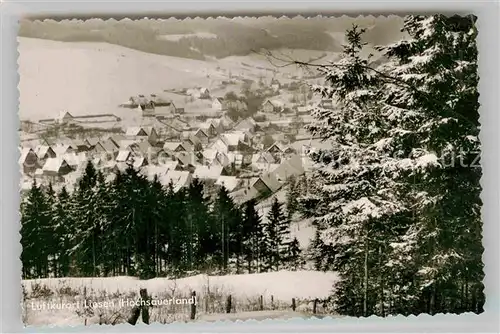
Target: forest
(133, 226)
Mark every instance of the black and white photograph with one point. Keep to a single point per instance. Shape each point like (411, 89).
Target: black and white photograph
(238, 168)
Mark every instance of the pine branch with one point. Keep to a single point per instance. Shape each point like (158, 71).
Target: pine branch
(402, 83)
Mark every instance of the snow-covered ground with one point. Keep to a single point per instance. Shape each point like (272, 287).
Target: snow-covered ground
(310, 284)
(276, 288)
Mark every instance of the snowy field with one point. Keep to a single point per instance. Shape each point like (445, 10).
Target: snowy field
(212, 292)
(94, 78)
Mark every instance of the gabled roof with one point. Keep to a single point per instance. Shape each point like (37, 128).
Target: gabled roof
(74, 159)
(61, 148)
(24, 154)
(139, 162)
(179, 179)
(172, 146)
(194, 140)
(184, 158)
(54, 164)
(207, 172)
(266, 156)
(270, 181)
(136, 131)
(92, 141)
(290, 167)
(202, 131)
(228, 182)
(108, 146)
(123, 156)
(277, 145)
(143, 147)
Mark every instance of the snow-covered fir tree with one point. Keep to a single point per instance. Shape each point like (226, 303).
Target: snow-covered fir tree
(388, 206)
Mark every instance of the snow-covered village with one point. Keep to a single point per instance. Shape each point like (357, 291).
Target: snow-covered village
(264, 168)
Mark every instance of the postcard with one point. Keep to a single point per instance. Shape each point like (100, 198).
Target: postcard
(184, 170)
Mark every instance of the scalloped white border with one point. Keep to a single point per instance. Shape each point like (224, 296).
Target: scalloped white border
(488, 25)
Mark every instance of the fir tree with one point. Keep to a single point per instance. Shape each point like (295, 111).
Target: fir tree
(276, 230)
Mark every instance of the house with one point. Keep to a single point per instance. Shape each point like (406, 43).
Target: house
(136, 131)
(115, 140)
(75, 160)
(109, 147)
(226, 122)
(195, 142)
(247, 125)
(175, 146)
(272, 106)
(176, 179)
(63, 149)
(124, 156)
(139, 162)
(202, 136)
(159, 102)
(263, 160)
(266, 184)
(210, 129)
(199, 93)
(208, 172)
(80, 145)
(64, 117)
(291, 167)
(219, 104)
(28, 160)
(187, 160)
(56, 167)
(231, 183)
(91, 142)
(44, 152)
(221, 159)
(204, 93)
(232, 141)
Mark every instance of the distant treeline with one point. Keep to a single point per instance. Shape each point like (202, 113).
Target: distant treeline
(230, 37)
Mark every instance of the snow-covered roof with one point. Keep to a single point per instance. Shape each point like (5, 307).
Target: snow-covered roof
(171, 146)
(24, 154)
(54, 164)
(74, 159)
(135, 131)
(123, 155)
(61, 148)
(264, 157)
(139, 162)
(291, 167)
(42, 150)
(270, 181)
(209, 153)
(202, 131)
(228, 182)
(207, 172)
(126, 143)
(233, 138)
(179, 179)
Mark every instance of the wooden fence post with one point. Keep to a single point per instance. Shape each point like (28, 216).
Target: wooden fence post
(293, 304)
(228, 304)
(315, 305)
(137, 310)
(144, 308)
(193, 306)
(261, 303)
